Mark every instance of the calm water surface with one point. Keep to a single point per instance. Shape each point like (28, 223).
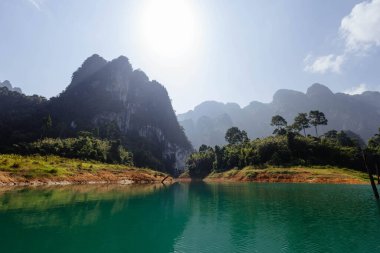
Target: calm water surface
(195, 217)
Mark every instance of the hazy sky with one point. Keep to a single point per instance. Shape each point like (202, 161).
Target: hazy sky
(230, 51)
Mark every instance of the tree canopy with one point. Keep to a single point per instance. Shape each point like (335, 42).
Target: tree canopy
(335, 148)
(301, 122)
(317, 118)
(280, 124)
(235, 136)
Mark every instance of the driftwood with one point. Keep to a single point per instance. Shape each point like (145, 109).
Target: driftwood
(374, 188)
(163, 180)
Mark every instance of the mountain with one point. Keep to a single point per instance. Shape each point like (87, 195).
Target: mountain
(208, 122)
(8, 85)
(113, 101)
(20, 118)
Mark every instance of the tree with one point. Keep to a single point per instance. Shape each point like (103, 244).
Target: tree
(280, 124)
(204, 148)
(341, 138)
(244, 136)
(317, 118)
(374, 143)
(235, 136)
(332, 134)
(200, 164)
(374, 149)
(48, 123)
(218, 162)
(301, 122)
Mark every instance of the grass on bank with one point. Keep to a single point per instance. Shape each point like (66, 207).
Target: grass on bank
(311, 173)
(36, 166)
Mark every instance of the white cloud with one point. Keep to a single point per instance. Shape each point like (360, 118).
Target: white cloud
(360, 31)
(38, 4)
(323, 64)
(361, 28)
(357, 89)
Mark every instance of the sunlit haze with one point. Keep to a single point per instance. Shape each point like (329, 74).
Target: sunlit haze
(229, 51)
(169, 29)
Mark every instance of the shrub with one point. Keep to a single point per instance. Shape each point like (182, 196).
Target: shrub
(15, 165)
(200, 164)
(84, 147)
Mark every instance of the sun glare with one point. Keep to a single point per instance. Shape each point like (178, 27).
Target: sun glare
(169, 28)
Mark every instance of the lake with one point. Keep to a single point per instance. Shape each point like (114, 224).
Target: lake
(190, 217)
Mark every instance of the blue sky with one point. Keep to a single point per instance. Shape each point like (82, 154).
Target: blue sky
(240, 51)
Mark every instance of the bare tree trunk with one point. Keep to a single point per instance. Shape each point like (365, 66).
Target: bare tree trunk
(374, 188)
(163, 180)
(316, 131)
(304, 131)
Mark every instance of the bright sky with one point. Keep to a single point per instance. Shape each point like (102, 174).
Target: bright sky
(229, 51)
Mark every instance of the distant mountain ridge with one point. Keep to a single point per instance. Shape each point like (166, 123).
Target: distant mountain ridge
(112, 101)
(8, 85)
(208, 122)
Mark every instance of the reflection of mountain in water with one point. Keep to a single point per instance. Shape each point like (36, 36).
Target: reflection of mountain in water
(45, 198)
(196, 217)
(93, 218)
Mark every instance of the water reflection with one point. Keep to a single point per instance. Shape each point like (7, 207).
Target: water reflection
(280, 218)
(92, 218)
(40, 198)
(195, 217)
(85, 204)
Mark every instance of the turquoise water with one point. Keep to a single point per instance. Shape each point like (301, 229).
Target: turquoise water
(195, 217)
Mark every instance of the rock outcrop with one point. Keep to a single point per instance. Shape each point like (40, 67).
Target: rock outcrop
(112, 100)
(8, 85)
(122, 103)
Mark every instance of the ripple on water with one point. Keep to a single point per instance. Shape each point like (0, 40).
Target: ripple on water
(199, 217)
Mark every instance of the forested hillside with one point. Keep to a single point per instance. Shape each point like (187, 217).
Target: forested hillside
(105, 100)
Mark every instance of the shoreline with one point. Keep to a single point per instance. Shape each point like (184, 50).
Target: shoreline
(16, 170)
(63, 181)
(208, 180)
(312, 175)
(35, 170)
(100, 177)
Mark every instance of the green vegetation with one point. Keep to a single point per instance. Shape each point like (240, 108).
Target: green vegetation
(287, 149)
(201, 163)
(235, 136)
(42, 166)
(84, 147)
(316, 119)
(281, 150)
(118, 105)
(36, 166)
(317, 174)
(301, 122)
(374, 149)
(279, 123)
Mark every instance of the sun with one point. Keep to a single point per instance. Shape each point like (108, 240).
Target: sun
(169, 28)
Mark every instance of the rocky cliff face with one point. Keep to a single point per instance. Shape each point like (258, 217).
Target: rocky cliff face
(115, 101)
(359, 114)
(112, 100)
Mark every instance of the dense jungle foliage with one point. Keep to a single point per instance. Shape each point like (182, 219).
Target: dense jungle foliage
(286, 148)
(84, 147)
